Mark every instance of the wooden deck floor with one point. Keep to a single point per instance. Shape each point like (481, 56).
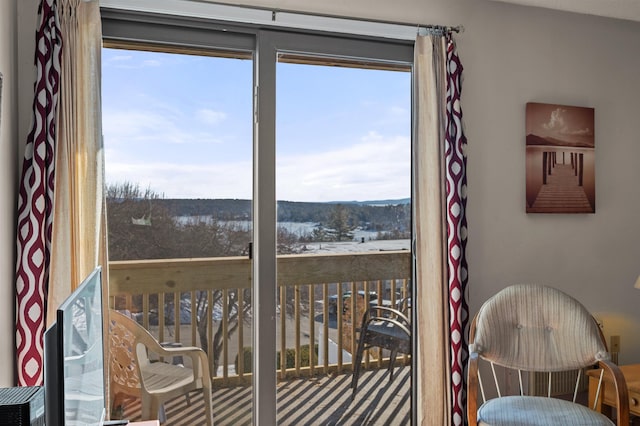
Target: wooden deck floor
(324, 400)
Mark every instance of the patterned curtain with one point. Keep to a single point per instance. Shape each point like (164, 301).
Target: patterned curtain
(439, 167)
(35, 202)
(456, 189)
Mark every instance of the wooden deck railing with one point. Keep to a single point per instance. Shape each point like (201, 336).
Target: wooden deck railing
(160, 293)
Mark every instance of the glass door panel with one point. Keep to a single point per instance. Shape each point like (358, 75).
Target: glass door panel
(178, 138)
(343, 185)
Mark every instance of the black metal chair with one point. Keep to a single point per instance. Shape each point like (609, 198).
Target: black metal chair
(386, 328)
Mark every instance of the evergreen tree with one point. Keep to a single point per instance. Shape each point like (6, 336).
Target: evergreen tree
(340, 226)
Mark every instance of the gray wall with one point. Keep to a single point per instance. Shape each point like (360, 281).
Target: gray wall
(512, 55)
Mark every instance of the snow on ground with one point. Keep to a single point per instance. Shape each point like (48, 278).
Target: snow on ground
(356, 247)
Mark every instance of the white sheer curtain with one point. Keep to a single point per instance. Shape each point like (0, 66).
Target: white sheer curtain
(79, 219)
(78, 241)
(440, 230)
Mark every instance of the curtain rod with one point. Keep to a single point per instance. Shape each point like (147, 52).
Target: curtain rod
(275, 11)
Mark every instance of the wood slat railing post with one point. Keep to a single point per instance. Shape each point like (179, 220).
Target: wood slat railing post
(352, 323)
(145, 311)
(312, 330)
(379, 351)
(194, 321)
(296, 310)
(161, 320)
(406, 294)
(209, 324)
(225, 333)
(357, 321)
(283, 332)
(325, 327)
(177, 312)
(339, 310)
(161, 317)
(240, 368)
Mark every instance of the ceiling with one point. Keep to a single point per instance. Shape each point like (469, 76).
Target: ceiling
(622, 9)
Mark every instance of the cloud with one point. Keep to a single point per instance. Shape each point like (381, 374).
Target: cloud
(400, 111)
(130, 62)
(579, 132)
(210, 116)
(173, 180)
(558, 125)
(118, 58)
(159, 126)
(556, 121)
(127, 126)
(374, 168)
(150, 63)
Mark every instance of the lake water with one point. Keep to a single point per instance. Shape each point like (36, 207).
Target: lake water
(298, 228)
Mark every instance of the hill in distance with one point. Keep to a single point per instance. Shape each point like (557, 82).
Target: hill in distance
(389, 214)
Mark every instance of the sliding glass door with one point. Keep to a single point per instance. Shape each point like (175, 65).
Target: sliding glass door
(178, 122)
(257, 167)
(342, 143)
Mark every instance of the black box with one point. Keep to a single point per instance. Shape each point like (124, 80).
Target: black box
(22, 406)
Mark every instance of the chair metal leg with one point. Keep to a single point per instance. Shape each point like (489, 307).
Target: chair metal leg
(356, 365)
(392, 360)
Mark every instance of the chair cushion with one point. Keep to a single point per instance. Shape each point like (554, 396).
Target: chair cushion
(387, 336)
(537, 410)
(387, 329)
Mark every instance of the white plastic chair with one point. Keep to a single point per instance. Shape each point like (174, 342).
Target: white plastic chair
(134, 375)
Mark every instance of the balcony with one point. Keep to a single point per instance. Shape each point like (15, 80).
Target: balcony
(314, 314)
(324, 400)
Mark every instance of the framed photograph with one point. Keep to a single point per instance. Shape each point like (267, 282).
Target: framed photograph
(560, 159)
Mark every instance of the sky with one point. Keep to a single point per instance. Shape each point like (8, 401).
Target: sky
(181, 125)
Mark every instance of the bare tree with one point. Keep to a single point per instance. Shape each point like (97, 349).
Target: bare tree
(141, 228)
